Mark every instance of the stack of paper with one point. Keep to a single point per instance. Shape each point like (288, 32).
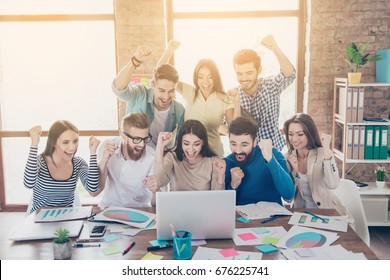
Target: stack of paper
(336, 252)
(338, 223)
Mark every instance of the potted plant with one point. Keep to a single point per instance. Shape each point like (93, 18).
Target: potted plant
(380, 173)
(62, 247)
(357, 56)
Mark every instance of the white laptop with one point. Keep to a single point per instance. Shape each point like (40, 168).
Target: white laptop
(206, 214)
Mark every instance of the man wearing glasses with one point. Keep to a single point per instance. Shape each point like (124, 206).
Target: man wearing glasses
(126, 166)
(157, 101)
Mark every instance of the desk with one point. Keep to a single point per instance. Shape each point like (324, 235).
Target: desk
(28, 250)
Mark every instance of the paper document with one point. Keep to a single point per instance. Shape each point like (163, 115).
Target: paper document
(304, 237)
(338, 223)
(63, 214)
(336, 252)
(204, 253)
(128, 216)
(261, 210)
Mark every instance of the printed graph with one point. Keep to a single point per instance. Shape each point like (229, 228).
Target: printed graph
(306, 240)
(125, 216)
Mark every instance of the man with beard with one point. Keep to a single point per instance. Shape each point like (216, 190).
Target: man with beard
(126, 166)
(157, 101)
(260, 97)
(256, 172)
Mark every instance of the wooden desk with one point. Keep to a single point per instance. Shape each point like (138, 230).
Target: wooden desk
(28, 250)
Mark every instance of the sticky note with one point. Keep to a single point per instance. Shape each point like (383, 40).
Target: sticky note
(111, 250)
(150, 256)
(229, 252)
(270, 240)
(111, 237)
(197, 242)
(243, 220)
(261, 230)
(267, 248)
(247, 236)
(131, 232)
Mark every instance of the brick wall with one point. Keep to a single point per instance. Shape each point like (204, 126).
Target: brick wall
(333, 25)
(139, 22)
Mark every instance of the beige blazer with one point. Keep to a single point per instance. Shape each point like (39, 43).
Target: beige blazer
(322, 175)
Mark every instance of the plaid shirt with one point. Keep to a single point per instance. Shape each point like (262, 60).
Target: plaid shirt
(264, 106)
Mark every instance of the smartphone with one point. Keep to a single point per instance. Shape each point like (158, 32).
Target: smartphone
(97, 231)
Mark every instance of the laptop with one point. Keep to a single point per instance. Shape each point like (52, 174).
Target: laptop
(206, 214)
(29, 230)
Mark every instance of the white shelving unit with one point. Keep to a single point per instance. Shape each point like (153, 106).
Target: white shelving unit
(375, 203)
(339, 120)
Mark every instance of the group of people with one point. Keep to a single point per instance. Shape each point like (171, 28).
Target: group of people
(132, 167)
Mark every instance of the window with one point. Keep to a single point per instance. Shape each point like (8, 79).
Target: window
(217, 29)
(57, 61)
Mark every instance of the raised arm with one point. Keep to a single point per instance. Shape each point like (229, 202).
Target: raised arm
(162, 167)
(125, 75)
(286, 66)
(89, 176)
(31, 169)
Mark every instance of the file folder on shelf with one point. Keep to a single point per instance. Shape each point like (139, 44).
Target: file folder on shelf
(383, 145)
(360, 105)
(362, 132)
(355, 142)
(377, 138)
(349, 142)
(368, 140)
(354, 109)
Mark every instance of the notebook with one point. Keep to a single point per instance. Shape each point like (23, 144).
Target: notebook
(29, 230)
(206, 214)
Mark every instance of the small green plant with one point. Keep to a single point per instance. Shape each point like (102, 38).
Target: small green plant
(61, 236)
(357, 56)
(380, 172)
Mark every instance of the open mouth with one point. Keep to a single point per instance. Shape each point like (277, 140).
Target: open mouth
(240, 157)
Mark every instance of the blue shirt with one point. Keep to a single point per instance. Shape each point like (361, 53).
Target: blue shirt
(139, 98)
(262, 181)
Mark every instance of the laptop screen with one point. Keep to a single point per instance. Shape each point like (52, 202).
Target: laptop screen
(206, 214)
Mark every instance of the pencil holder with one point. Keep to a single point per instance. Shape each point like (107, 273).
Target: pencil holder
(182, 248)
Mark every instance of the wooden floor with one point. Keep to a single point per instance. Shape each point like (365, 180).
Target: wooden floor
(380, 242)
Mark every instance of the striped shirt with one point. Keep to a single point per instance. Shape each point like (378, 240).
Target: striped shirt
(50, 192)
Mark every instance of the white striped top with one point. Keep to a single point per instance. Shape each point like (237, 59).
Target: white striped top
(50, 192)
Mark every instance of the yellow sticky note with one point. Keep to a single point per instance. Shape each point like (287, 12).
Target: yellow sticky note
(150, 256)
(270, 240)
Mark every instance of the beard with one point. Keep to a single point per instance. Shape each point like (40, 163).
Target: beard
(134, 153)
(244, 157)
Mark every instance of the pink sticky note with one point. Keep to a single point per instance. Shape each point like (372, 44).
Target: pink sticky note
(229, 252)
(247, 236)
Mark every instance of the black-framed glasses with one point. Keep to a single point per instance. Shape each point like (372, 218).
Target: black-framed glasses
(137, 140)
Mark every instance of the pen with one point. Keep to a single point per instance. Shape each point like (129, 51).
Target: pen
(89, 240)
(270, 219)
(314, 215)
(128, 248)
(85, 245)
(153, 248)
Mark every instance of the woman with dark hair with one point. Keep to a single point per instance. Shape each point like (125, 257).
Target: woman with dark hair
(206, 100)
(312, 165)
(53, 175)
(192, 166)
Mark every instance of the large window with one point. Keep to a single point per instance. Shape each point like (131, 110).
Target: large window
(218, 29)
(57, 61)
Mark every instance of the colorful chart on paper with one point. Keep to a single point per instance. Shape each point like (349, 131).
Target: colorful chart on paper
(306, 240)
(125, 216)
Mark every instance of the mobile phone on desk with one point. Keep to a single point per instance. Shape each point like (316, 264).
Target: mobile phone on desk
(97, 231)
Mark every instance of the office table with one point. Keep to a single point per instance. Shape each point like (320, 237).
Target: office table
(43, 249)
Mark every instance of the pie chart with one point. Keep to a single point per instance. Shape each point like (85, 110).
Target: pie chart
(126, 216)
(306, 240)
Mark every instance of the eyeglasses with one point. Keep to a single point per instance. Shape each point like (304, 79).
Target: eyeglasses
(137, 140)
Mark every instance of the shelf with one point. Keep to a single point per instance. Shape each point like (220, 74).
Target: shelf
(342, 121)
(340, 155)
(369, 85)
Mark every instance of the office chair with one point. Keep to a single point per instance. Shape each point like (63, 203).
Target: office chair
(76, 202)
(348, 193)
